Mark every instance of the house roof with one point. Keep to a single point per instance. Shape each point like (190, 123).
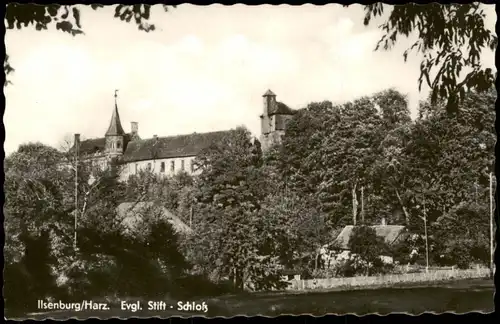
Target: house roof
(171, 146)
(158, 148)
(133, 213)
(93, 145)
(115, 125)
(279, 108)
(390, 233)
(96, 145)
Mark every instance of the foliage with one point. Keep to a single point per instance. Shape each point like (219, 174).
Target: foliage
(368, 247)
(108, 260)
(464, 235)
(451, 38)
(35, 196)
(257, 213)
(175, 193)
(30, 278)
(231, 236)
(409, 250)
(329, 153)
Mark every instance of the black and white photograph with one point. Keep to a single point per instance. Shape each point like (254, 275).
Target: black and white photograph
(219, 161)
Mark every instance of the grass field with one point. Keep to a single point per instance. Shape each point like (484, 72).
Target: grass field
(458, 297)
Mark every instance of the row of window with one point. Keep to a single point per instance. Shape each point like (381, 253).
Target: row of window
(172, 166)
(118, 145)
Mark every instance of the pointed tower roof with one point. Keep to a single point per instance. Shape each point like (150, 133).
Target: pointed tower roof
(268, 94)
(115, 126)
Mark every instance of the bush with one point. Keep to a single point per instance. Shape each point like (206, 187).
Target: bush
(18, 290)
(367, 248)
(409, 250)
(463, 236)
(31, 278)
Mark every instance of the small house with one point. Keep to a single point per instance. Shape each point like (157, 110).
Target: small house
(390, 233)
(133, 214)
(339, 249)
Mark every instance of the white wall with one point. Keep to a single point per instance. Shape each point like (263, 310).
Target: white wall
(130, 168)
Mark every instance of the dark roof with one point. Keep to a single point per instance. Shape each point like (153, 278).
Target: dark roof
(171, 146)
(92, 146)
(133, 213)
(97, 145)
(280, 108)
(268, 94)
(115, 126)
(390, 233)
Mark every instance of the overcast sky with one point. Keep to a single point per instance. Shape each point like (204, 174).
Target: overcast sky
(203, 69)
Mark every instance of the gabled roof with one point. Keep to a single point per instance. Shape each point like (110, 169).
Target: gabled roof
(96, 145)
(156, 148)
(91, 146)
(390, 233)
(279, 108)
(115, 126)
(133, 213)
(171, 146)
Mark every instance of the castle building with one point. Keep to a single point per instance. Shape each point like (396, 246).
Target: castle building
(273, 120)
(172, 154)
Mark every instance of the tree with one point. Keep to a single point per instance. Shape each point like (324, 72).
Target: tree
(67, 18)
(231, 236)
(35, 212)
(36, 199)
(463, 235)
(347, 154)
(451, 159)
(365, 243)
(390, 171)
(175, 193)
(451, 38)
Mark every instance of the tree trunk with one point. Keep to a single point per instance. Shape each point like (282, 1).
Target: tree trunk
(362, 205)
(405, 211)
(354, 205)
(316, 258)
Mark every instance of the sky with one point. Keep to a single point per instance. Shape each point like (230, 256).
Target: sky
(205, 68)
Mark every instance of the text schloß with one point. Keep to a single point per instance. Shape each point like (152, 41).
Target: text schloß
(192, 306)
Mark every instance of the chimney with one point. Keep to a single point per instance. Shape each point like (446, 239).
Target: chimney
(134, 127)
(155, 137)
(383, 223)
(77, 140)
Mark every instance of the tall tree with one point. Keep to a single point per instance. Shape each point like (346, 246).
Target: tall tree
(348, 153)
(236, 241)
(390, 170)
(452, 158)
(451, 38)
(35, 192)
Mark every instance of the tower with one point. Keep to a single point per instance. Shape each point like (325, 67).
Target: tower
(266, 117)
(273, 120)
(115, 136)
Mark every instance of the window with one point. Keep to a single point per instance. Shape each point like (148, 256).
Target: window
(192, 166)
(172, 166)
(136, 166)
(182, 165)
(149, 166)
(118, 145)
(162, 167)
